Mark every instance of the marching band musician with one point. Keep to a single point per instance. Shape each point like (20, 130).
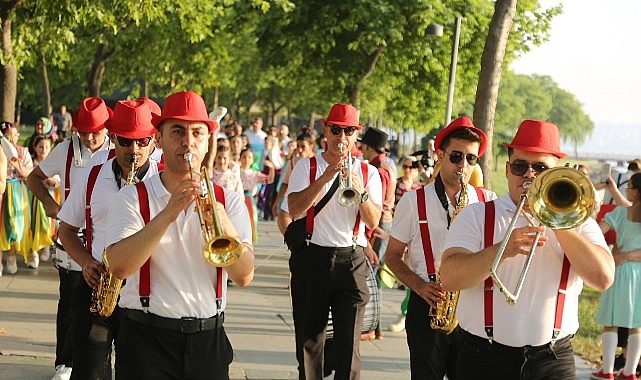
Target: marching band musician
(67, 160)
(173, 301)
(330, 269)
(131, 133)
(433, 353)
(529, 339)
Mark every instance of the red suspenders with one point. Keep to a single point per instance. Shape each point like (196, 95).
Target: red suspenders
(144, 286)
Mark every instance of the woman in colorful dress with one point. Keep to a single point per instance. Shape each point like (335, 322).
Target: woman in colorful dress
(42, 226)
(14, 229)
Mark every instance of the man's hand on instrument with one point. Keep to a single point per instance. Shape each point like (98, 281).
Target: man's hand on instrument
(431, 292)
(521, 240)
(182, 196)
(91, 273)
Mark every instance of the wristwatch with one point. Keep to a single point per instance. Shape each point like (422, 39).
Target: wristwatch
(364, 197)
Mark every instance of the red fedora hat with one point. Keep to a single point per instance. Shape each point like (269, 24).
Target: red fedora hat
(344, 115)
(153, 106)
(187, 106)
(91, 115)
(131, 119)
(460, 123)
(537, 136)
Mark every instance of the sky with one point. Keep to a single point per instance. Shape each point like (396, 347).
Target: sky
(594, 52)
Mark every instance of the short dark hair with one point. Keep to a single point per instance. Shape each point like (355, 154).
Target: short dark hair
(462, 134)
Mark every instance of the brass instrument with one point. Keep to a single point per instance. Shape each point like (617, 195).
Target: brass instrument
(105, 297)
(219, 250)
(444, 313)
(347, 195)
(559, 198)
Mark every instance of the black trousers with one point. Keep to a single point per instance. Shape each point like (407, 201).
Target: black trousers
(480, 359)
(146, 352)
(322, 278)
(92, 338)
(69, 281)
(433, 354)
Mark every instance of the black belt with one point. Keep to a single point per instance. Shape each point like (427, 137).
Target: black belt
(186, 325)
(484, 342)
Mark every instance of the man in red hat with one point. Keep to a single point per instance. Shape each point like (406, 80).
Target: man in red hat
(68, 160)
(531, 338)
(421, 222)
(131, 132)
(330, 267)
(173, 302)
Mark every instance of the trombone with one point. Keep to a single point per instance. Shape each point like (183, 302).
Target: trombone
(559, 198)
(219, 250)
(347, 195)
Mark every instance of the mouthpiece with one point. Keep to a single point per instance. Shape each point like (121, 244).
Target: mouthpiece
(188, 157)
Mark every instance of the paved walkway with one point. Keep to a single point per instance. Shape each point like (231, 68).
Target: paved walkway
(258, 322)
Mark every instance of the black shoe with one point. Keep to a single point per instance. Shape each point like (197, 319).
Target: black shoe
(619, 362)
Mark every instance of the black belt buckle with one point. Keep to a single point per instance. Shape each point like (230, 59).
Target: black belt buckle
(190, 325)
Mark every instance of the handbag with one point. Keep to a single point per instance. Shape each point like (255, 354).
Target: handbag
(296, 235)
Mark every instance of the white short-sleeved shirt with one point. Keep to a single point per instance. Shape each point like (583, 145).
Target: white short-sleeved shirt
(56, 163)
(531, 320)
(334, 225)
(182, 283)
(102, 199)
(405, 227)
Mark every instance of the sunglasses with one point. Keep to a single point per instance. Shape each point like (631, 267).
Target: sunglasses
(125, 142)
(337, 129)
(519, 168)
(456, 157)
(409, 167)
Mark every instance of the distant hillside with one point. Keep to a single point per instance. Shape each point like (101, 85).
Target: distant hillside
(609, 142)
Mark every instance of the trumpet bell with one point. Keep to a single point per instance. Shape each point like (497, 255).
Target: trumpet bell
(561, 198)
(222, 251)
(349, 197)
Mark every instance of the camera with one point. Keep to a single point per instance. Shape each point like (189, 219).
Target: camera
(606, 170)
(415, 165)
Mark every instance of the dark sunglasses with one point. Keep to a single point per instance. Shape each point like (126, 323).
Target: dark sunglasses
(518, 168)
(337, 129)
(125, 142)
(456, 157)
(409, 167)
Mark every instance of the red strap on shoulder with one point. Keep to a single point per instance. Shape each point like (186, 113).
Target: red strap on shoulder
(560, 299)
(488, 291)
(219, 192)
(68, 169)
(144, 287)
(161, 164)
(425, 233)
(91, 183)
(309, 223)
(480, 194)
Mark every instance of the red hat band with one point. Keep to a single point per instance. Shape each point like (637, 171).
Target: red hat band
(91, 115)
(131, 119)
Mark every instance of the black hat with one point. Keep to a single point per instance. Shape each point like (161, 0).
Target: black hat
(374, 138)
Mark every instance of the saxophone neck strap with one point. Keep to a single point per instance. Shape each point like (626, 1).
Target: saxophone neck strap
(442, 197)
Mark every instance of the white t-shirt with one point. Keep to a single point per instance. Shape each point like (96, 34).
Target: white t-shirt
(56, 162)
(334, 225)
(182, 283)
(405, 227)
(102, 199)
(531, 320)
(255, 138)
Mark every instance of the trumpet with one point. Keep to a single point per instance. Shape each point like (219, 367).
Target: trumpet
(347, 195)
(559, 198)
(219, 250)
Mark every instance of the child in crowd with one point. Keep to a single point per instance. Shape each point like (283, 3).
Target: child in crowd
(224, 175)
(251, 179)
(42, 226)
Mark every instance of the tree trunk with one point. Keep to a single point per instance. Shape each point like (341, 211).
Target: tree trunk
(46, 104)
(490, 77)
(97, 71)
(8, 70)
(354, 93)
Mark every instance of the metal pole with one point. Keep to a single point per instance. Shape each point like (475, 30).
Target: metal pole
(453, 61)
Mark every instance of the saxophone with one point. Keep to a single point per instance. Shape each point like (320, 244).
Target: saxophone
(444, 313)
(105, 297)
